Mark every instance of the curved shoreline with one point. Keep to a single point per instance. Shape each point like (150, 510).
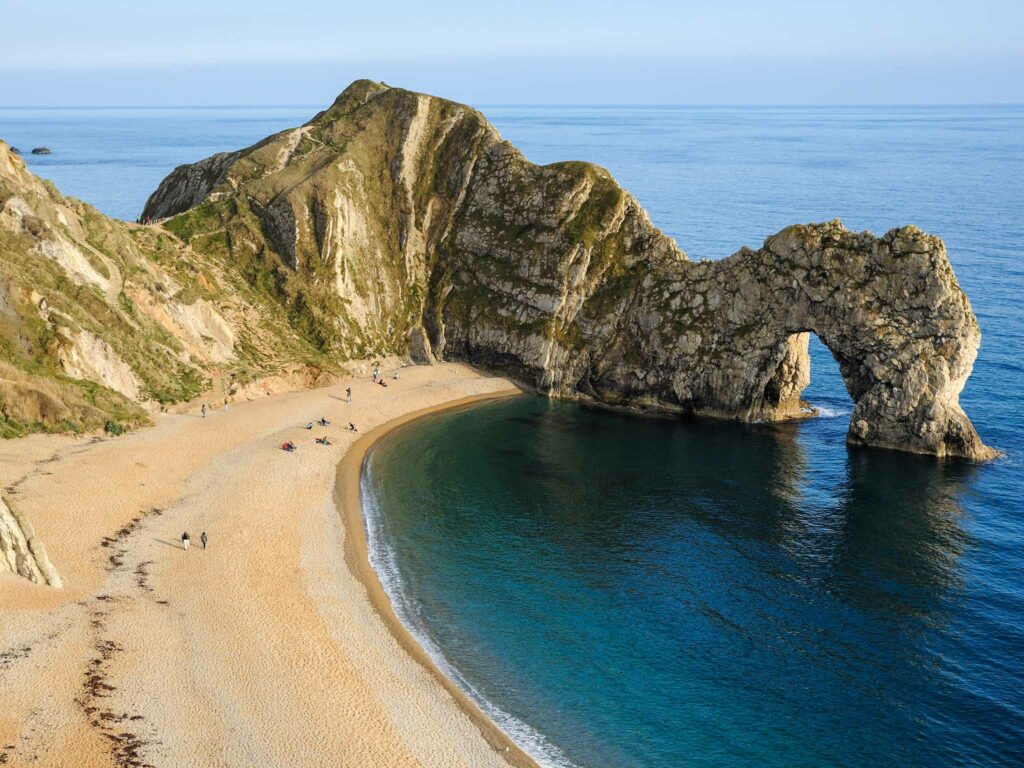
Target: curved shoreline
(348, 501)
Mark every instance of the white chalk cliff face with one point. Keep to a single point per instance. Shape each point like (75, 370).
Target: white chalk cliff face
(398, 222)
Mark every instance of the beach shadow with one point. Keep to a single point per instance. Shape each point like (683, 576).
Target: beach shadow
(166, 543)
(339, 399)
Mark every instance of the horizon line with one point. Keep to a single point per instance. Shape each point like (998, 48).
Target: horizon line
(535, 105)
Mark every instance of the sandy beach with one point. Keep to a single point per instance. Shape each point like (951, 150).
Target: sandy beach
(274, 646)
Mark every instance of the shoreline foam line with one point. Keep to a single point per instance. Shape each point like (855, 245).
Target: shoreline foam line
(385, 563)
(348, 501)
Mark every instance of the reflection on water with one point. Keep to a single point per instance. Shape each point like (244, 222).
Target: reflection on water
(651, 593)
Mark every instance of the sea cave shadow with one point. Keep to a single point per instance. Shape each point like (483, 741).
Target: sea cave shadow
(167, 543)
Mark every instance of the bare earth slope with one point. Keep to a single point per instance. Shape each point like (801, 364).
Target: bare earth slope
(399, 222)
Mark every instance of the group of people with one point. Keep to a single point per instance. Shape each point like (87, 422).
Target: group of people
(377, 379)
(185, 540)
(290, 446)
(323, 421)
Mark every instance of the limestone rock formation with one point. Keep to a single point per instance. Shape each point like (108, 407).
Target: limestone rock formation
(21, 553)
(399, 223)
(396, 222)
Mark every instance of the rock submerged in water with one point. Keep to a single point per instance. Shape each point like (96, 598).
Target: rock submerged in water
(42, 151)
(15, 150)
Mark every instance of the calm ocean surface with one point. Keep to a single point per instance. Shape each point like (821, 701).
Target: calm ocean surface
(628, 592)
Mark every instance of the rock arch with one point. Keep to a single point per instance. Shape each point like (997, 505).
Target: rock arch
(889, 309)
(556, 276)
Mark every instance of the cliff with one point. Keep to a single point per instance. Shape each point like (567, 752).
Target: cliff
(399, 223)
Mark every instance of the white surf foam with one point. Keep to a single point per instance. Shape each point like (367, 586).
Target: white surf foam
(824, 412)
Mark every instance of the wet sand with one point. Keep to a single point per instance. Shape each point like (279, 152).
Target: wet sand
(275, 646)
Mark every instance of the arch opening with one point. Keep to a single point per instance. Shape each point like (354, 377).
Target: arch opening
(828, 391)
(791, 391)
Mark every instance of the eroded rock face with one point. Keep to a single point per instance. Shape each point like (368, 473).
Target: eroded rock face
(393, 212)
(23, 554)
(189, 185)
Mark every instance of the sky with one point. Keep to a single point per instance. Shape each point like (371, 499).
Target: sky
(114, 52)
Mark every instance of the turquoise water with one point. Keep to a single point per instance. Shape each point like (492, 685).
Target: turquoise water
(627, 592)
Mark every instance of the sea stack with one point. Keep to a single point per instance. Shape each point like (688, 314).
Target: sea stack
(42, 151)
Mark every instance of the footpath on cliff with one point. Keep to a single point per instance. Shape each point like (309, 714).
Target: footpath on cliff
(264, 648)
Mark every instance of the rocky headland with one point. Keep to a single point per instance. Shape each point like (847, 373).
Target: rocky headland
(395, 223)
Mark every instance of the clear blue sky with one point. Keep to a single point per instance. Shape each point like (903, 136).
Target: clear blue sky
(685, 52)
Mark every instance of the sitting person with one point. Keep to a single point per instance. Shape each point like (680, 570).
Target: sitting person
(352, 427)
(394, 376)
(309, 425)
(323, 440)
(382, 383)
(323, 422)
(288, 445)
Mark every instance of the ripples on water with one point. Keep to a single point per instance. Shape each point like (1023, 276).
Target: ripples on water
(651, 593)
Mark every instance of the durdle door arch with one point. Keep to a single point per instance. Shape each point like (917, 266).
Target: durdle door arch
(889, 309)
(902, 331)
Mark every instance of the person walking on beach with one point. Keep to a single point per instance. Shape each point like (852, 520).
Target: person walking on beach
(203, 410)
(202, 538)
(184, 541)
(348, 394)
(225, 403)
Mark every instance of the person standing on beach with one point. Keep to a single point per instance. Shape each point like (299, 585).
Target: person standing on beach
(184, 541)
(202, 538)
(203, 410)
(348, 394)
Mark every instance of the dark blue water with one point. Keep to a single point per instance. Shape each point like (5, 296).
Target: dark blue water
(624, 592)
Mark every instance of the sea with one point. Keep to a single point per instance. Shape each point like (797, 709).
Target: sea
(618, 591)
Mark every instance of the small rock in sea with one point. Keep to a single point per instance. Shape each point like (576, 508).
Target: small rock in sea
(42, 151)
(15, 151)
